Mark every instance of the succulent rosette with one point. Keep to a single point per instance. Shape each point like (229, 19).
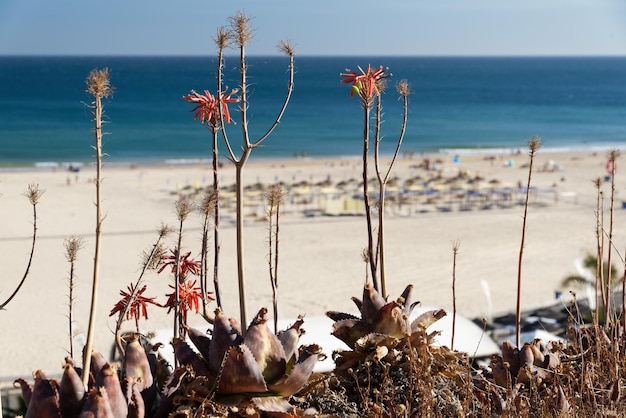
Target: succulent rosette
(534, 361)
(257, 365)
(382, 326)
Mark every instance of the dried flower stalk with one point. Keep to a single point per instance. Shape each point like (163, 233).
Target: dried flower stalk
(533, 146)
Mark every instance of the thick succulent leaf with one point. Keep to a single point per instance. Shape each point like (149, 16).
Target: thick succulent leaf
(187, 357)
(44, 402)
(407, 300)
(240, 373)
(266, 348)
(371, 341)
(200, 340)
(345, 360)
(27, 390)
(275, 406)
(340, 316)
(551, 361)
(290, 337)
(299, 375)
(538, 356)
(224, 336)
(71, 390)
(136, 364)
(358, 302)
(107, 378)
(391, 320)
(372, 303)
(427, 319)
(499, 372)
(235, 324)
(526, 356)
(159, 366)
(173, 382)
(510, 356)
(350, 330)
(97, 405)
(136, 405)
(97, 362)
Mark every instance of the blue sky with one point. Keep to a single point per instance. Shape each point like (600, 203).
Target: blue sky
(318, 27)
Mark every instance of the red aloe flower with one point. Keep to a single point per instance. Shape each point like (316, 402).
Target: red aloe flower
(186, 264)
(225, 99)
(207, 104)
(366, 79)
(189, 296)
(137, 308)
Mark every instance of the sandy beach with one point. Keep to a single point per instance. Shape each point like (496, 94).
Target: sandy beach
(320, 265)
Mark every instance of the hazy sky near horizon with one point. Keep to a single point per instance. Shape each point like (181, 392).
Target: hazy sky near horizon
(320, 27)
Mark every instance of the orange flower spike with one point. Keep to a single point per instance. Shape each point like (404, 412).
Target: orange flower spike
(189, 296)
(186, 264)
(366, 79)
(224, 100)
(138, 307)
(205, 105)
(354, 78)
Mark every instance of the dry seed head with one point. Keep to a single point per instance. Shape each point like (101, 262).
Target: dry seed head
(164, 230)
(72, 245)
(286, 47)
(404, 88)
(533, 145)
(597, 182)
(208, 202)
(274, 195)
(33, 193)
(381, 85)
(99, 83)
(222, 37)
(183, 208)
(613, 154)
(240, 25)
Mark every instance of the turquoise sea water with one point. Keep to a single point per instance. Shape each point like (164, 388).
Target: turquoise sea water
(457, 103)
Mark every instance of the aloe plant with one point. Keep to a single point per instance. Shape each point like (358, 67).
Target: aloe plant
(129, 392)
(382, 324)
(533, 360)
(257, 364)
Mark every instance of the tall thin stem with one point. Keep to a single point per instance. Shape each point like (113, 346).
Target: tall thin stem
(612, 157)
(33, 194)
(222, 41)
(533, 146)
(239, 235)
(600, 258)
(72, 245)
(366, 198)
(98, 83)
(216, 229)
(242, 34)
(599, 284)
(404, 90)
(455, 251)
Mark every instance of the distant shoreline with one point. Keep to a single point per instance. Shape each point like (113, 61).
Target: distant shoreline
(26, 166)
